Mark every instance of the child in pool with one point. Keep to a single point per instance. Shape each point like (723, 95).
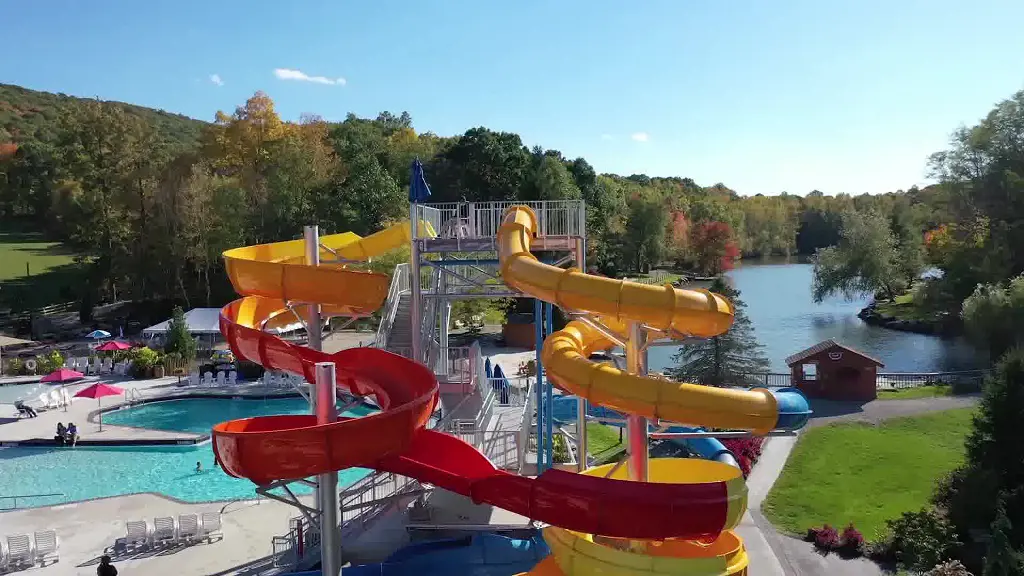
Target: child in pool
(199, 467)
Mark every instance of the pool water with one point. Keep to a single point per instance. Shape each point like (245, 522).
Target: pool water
(86, 472)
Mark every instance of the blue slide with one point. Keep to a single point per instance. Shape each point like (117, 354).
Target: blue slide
(482, 554)
(564, 412)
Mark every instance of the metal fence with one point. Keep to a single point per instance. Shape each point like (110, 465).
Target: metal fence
(901, 380)
(482, 219)
(399, 285)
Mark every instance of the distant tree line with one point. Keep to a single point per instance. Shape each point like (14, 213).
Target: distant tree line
(150, 200)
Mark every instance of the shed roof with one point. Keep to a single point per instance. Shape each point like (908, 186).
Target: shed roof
(827, 345)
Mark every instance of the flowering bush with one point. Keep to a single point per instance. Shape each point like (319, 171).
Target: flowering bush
(852, 542)
(746, 451)
(951, 568)
(826, 538)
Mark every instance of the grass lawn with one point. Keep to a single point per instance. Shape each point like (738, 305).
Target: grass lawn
(916, 392)
(866, 474)
(53, 275)
(17, 250)
(904, 308)
(602, 440)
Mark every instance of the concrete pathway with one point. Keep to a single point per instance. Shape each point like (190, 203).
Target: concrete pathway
(87, 530)
(775, 554)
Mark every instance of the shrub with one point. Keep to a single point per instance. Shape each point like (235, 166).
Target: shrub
(561, 449)
(918, 540)
(951, 568)
(825, 538)
(746, 450)
(46, 363)
(851, 542)
(143, 360)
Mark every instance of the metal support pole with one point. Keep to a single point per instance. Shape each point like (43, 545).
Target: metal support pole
(327, 412)
(581, 402)
(549, 402)
(636, 426)
(538, 327)
(314, 336)
(415, 310)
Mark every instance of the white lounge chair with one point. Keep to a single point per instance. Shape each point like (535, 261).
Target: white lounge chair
(165, 530)
(137, 533)
(232, 378)
(19, 550)
(44, 401)
(107, 366)
(47, 546)
(56, 399)
(210, 526)
(208, 379)
(188, 527)
(65, 396)
(221, 379)
(193, 379)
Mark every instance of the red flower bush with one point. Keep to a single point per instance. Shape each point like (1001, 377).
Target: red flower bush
(746, 451)
(852, 542)
(826, 538)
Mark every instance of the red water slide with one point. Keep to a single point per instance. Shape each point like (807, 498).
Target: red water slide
(396, 440)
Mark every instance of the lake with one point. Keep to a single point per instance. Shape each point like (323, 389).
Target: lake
(786, 320)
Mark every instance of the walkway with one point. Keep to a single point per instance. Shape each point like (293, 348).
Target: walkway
(87, 530)
(775, 554)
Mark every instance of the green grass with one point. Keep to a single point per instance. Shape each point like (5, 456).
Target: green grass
(904, 308)
(602, 440)
(53, 277)
(916, 392)
(17, 250)
(866, 474)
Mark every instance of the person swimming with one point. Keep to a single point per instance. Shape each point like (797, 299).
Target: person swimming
(199, 467)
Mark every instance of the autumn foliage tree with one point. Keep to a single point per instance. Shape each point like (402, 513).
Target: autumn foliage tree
(714, 247)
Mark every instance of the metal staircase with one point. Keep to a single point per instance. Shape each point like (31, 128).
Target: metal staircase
(399, 338)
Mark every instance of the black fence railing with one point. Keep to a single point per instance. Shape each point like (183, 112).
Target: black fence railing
(883, 380)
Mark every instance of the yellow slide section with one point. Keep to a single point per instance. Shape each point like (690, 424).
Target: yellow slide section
(679, 312)
(277, 270)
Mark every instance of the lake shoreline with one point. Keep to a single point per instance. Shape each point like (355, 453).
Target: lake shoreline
(871, 315)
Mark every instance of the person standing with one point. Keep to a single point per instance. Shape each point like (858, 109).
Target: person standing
(106, 568)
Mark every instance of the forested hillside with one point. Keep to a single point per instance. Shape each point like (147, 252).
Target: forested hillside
(29, 116)
(149, 199)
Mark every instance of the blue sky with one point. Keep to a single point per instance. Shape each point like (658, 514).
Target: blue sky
(765, 96)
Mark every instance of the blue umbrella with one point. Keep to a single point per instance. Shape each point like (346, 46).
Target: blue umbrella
(419, 190)
(487, 368)
(98, 334)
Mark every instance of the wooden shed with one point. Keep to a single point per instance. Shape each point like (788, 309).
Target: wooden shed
(832, 371)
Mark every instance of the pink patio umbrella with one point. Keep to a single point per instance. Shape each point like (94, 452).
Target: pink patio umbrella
(98, 391)
(62, 375)
(113, 346)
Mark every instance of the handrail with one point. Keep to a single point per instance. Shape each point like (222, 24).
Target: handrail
(399, 285)
(16, 496)
(526, 425)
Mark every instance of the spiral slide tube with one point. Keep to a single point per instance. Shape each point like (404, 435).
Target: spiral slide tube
(565, 357)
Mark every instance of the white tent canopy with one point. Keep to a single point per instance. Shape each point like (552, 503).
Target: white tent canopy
(199, 321)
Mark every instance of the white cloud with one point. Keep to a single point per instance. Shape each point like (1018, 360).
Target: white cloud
(216, 79)
(289, 74)
(640, 136)
(606, 137)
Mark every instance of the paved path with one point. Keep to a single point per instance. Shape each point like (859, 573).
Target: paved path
(828, 412)
(776, 554)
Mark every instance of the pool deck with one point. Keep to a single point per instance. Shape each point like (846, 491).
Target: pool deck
(84, 413)
(89, 529)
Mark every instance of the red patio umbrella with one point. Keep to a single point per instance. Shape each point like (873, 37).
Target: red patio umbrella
(113, 346)
(98, 391)
(62, 375)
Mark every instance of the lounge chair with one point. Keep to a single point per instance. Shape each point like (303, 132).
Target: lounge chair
(137, 533)
(19, 550)
(66, 396)
(47, 546)
(232, 378)
(44, 401)
(208, 379)
(188, 527)
(221, 379)
(3, 556)
(210, 526)
(165, 530)
(193, 379)
(56, 399)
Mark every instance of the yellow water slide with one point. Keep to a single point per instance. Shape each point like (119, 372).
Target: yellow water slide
(677, 314)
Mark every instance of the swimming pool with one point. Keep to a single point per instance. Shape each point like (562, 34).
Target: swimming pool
(88, 472)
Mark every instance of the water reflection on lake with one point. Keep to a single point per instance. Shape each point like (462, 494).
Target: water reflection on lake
(786, 320)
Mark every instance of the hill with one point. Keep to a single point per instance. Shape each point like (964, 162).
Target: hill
(32, 116)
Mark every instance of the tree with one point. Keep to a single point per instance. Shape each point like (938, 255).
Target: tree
(482, 165)
(725, 360)
(867, 260)
(714, 248)
(994, 316)
(1002, 559)
(179, 339)
(645, 233)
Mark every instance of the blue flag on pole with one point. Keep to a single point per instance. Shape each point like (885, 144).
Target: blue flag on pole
(419, 190)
